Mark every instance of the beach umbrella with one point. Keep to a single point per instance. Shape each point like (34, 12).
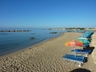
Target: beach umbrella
(74, 43)
(81, 37)
(84, 41)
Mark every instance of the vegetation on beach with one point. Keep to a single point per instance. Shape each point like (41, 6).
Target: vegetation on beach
(75, 28)
(71, 28)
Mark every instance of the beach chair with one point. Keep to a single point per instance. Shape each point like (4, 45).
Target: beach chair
(82, 51)
(74, 58)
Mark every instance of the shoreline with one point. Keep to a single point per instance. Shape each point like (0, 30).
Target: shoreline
(31, 46)
(44, 57)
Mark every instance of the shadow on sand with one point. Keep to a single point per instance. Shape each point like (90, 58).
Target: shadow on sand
(89, 48)
(80, 70)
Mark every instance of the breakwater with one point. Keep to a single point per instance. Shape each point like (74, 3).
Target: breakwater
(14, 30)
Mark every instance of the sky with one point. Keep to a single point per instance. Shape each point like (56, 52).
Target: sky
(47, 13)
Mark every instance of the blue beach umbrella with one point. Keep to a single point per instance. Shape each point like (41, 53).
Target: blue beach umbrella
(84, 41)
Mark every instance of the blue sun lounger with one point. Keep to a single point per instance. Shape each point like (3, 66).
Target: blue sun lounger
(81, 51)
(74, 58)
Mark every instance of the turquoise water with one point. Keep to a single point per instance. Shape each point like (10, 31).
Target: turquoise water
(13, 41)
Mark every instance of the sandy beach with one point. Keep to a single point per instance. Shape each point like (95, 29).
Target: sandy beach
(44, 57)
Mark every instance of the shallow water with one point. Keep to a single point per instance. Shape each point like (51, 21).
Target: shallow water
(13, 41)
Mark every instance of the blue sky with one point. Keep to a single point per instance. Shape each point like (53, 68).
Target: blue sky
(47, 13)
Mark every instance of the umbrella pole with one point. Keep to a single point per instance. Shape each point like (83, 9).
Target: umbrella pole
(75, 52)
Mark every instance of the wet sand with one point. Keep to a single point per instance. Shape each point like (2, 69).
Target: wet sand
(44, 57)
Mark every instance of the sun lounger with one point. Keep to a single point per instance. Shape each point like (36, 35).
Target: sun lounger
(81, 51)
(74, 58)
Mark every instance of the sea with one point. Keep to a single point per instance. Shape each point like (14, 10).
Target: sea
(14, 41)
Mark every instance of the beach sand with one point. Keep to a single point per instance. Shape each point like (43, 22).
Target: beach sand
(44, 57)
